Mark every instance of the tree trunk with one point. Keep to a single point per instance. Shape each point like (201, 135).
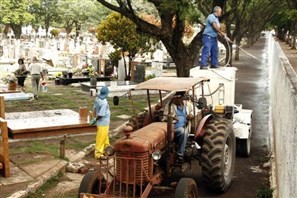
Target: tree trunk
(183, 65)
(5, 31)
(183, 56)
(183, 60)
(17, 30)
(130, 67)
(237, 42)
(294, 41)
(46, 25)
(125, 64)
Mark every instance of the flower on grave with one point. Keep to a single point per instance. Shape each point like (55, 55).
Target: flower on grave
(75, 70)
(91, 71)
(58, 74)
(9, 79)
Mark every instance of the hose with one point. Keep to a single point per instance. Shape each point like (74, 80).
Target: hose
(229, 40)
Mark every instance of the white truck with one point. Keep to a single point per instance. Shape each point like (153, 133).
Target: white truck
(220, 90)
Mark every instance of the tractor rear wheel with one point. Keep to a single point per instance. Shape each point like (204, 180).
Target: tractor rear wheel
(91, 183)
(218, 155)
(186, 188)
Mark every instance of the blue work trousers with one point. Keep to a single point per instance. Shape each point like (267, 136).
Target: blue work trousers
(180, 137)
(210, 47)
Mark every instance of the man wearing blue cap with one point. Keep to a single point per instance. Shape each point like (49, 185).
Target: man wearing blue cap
(101, 108)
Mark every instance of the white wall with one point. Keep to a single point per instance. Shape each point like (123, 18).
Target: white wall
(283, 87)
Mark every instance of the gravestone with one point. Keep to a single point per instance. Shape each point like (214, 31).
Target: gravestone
(121, 70)
(139, 75)
(157, 68)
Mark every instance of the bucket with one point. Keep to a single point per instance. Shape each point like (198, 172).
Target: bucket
(83, 113)
(12, 86)
(43, 87)
(93, 92)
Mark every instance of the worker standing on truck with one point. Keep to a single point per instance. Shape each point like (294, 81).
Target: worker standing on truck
(102, 115)
(210, 41)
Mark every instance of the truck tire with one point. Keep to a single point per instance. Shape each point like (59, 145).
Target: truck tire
(90, 183)
(218, 155)
(186, 188)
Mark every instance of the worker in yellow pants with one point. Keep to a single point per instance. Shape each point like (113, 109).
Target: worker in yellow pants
(102, 115)
(102, 141)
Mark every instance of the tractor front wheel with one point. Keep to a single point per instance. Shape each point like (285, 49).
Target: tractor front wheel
(218, 154)
(93, 183)
(186, 188)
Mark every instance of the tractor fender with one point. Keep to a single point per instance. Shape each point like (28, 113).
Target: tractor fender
(199, 131)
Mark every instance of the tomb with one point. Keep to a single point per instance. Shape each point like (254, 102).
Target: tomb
(47, 123)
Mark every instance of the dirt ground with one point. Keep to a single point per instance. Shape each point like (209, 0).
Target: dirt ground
(290, 53)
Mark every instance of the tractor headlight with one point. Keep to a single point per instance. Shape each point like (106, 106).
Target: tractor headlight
(109, 150)
(156, 155)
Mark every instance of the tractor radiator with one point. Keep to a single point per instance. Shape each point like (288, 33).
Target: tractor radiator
(133, 168)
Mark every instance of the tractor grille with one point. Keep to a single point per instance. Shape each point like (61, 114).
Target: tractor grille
(133, 168)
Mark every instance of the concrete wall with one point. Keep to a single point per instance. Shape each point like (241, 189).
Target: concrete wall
(283, 86)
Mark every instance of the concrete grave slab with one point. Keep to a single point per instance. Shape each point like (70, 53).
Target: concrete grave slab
(17, 175)
(39, 168)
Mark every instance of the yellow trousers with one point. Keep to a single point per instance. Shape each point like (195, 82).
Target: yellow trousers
(102, 140)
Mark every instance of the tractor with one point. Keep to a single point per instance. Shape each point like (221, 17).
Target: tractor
(146, 158)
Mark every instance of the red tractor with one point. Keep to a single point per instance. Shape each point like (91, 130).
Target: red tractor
(146, 158)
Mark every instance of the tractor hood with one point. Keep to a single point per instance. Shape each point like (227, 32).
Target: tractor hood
(149, 138)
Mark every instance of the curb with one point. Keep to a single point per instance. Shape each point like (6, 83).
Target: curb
(32, 187)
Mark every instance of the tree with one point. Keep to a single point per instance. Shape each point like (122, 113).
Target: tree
(75, 13)
(16, 14)
(171, 16)
(121, 33)
(288, 22)
(47, 12)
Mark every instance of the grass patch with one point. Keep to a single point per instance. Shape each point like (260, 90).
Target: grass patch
(77, 144)
(37, 147)
(50, 184)
(265, 192)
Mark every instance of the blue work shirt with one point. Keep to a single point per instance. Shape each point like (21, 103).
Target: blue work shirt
(181, 115)
(102, 109)
(209, 30)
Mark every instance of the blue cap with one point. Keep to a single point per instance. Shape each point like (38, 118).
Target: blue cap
(103, 92)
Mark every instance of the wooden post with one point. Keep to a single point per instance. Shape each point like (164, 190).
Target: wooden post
(4, 157)
(2, 112)
(62, 147)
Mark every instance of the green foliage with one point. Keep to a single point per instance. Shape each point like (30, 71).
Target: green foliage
(265, 192)
(55, 32)
(115, 56)
(150, 76)
(185, 9)
(121, 32)
(46, 13)
(74, 13)
(17, 12)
